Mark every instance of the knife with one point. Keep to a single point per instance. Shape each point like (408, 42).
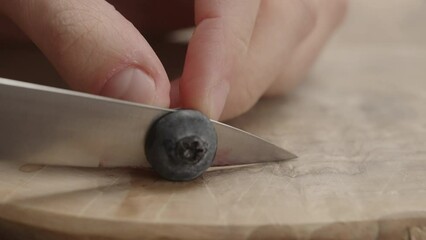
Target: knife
(52, 126)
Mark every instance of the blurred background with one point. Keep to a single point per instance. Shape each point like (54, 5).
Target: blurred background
(382, 42)
(385, 23)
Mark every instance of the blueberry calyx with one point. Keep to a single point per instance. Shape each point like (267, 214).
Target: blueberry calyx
(191, 149)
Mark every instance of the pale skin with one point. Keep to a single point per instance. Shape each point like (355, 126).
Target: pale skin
(240, 51)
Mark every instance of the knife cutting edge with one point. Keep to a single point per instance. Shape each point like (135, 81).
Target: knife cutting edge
(46, 125)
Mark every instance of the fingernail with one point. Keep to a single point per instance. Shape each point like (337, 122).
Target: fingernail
(218, 96)
(131, 84)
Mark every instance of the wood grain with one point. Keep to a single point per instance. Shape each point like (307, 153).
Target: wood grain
(358, 126)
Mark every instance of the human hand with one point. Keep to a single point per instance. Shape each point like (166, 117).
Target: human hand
(240, 51)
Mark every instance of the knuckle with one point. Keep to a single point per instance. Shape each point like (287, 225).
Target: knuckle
(68, 34)
(241, 42)
(240, 100)
(333, 11)
(238, 107)
(298, 16)
(69, 28)
(340, 8)
(281, 87)
(244, 98)
(307, 16)
(341, 5)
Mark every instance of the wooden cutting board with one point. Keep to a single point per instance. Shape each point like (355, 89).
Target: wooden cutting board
(358, 126)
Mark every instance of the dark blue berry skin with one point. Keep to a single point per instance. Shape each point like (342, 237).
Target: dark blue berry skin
(181, 145)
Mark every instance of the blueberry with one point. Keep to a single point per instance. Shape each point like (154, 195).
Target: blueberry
(181, 145)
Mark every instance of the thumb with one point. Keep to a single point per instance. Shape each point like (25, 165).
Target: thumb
(93, 47)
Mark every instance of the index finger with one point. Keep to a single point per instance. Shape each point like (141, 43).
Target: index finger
(221, 39)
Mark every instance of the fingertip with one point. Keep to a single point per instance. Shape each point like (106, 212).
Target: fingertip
(211, 104)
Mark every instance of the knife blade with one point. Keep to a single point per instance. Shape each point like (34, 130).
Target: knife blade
(52, 126)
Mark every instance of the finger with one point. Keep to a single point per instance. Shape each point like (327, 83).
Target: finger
(329, 15)
(93, 47)
(280, 27)
(221, 39)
